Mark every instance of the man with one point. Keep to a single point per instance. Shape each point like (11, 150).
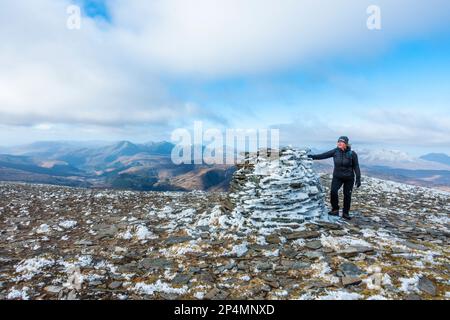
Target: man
(346, 167)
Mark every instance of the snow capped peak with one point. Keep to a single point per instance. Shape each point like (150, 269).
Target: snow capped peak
(397, 159)
(385, 155)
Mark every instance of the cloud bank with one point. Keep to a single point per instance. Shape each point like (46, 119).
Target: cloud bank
(118, 72)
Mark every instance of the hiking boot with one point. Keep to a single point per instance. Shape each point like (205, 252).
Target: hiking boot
(334, 212)
(346, 216)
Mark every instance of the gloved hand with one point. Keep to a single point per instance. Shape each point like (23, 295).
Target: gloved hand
(358, 183)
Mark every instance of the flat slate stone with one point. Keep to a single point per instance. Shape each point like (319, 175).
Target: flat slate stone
(303, 235)
(181, 279)
(314, 245)
(300, 265)
(158, 263)
(427, 286)
(177, 239)
(350, 269)
(53, 289)
(273, 239)
(347, 281)
(353, 251)
(115, 284)
(415, 246)
(264, 266)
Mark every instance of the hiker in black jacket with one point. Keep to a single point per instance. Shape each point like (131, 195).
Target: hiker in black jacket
(346, 167)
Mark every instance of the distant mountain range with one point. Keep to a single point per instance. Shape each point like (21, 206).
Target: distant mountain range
(122, 165)
(400, 160)
(148, 166)
(437, 157)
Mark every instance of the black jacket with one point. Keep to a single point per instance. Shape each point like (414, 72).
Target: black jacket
(346, 163)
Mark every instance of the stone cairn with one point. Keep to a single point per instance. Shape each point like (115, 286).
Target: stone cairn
(276, 192)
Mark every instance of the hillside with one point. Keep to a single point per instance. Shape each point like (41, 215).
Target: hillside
(122, 165)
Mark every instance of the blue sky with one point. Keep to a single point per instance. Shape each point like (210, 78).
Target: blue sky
(95, 8)
(148, 67)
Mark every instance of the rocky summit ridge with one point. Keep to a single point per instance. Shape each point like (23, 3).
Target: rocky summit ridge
(76, 243)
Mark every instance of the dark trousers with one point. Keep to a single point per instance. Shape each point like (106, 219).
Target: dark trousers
(336, 184)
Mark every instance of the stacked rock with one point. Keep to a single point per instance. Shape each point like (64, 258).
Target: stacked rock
(277, 189)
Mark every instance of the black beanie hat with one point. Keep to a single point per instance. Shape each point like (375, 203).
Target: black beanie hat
(343, 139)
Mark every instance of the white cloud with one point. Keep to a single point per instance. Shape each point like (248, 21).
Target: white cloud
(112, 75)
(382, 126)
(49, 74)
(228, 37)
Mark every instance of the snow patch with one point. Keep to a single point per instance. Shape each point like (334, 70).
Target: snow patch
(67, 224)
(31, 267)
(18, 294)
(239, 250)
(340, 295)
(43, 228)
(158, 286)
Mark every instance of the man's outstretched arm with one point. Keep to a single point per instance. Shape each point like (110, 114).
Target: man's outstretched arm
(322, 156)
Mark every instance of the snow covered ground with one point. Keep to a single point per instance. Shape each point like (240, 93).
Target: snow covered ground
(69, 243)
